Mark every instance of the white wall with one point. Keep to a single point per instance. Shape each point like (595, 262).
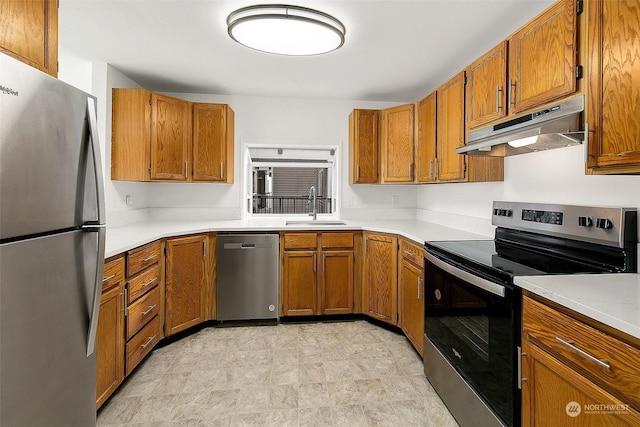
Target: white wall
(554, 176)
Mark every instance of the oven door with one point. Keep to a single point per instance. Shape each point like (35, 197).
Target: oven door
(474, 324)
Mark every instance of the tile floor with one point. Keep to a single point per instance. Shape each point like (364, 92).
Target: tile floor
(317, 374)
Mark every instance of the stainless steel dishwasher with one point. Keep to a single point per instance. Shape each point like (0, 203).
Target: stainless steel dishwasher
(247, 276)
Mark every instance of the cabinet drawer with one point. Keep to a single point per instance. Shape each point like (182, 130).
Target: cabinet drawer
(143, 343)
(300, 240)
(337, 240)
(113, 272)
(143, 283)
(411, 252)
(579, 343)
(142, 257)
(142, 311)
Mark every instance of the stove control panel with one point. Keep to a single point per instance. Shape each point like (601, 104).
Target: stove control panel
(612, 226)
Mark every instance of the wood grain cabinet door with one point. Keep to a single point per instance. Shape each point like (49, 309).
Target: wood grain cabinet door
(300, 283)
(337, 281)
(450, 131)
(613, 98)
(212, 142)
(487, 87)
(380, 287)
(185, 283)
(363, 146)
(425, 147)
(411, 297)
(170, 138)
(542, 58)
(396, 146)
(29, 32)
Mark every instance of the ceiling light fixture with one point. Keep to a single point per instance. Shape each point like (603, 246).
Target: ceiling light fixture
(285, 29)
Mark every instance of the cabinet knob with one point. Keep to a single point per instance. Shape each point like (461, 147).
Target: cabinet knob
(604, 223)
(585, 221)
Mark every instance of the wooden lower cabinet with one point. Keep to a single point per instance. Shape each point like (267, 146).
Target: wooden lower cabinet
(185, 282)
(110, 333)
(574, 374)
(411, 294)
(317, 273)
(380, 286)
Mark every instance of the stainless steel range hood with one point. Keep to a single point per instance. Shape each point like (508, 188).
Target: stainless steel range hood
(556, 126)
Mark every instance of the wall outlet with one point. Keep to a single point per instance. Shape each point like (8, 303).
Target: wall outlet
(128, 200)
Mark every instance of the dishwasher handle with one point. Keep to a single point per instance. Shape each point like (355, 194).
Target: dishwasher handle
(239, 246)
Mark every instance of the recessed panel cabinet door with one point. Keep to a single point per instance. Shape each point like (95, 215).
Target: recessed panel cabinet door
(450, 133)
(487, 87)
(614, 86)
(542, 58)
(212, 142)
(426, 161)
(380, 287)
(411, 295)
(337, 282)
(29, 32)
(185, 283)
(363, 146)
(396, 145)
(300, 284)
(170, 138)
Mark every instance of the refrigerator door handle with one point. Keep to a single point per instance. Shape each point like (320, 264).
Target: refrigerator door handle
(97, 290)
(97, 161)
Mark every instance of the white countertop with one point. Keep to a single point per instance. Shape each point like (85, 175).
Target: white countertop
(611, 299)
(121, 239)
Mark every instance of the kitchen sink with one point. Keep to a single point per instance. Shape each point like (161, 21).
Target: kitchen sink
(310, 222)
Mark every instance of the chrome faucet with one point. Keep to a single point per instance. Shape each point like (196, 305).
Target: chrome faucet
(313, 197)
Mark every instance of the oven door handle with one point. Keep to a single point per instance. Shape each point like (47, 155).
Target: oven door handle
(481, 283)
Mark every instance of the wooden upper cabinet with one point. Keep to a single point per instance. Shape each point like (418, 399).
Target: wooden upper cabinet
(160, 138)
(396, 144)
(185, 283)
(542, 58)
(487, 87)
(170, 138)
(613, 97)
(425, 146)
(213, 134)
(450, 129)
(363, 146)
(29, 32)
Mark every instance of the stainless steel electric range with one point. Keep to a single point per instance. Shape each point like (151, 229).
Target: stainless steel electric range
(473, 308)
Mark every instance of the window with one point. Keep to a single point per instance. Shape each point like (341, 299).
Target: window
(281, 180)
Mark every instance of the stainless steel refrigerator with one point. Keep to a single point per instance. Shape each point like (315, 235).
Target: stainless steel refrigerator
(51, 249)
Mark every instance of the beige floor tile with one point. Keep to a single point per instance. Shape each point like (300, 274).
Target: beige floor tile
(313, 395)
(283, 397)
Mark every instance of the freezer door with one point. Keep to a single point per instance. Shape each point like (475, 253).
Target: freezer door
(46, 296)
(47, 176)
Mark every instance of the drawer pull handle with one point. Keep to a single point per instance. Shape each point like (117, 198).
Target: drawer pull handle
(151, 307)
(409, 253)
(149, 341)
(583, 353)
(149, 258)
(149, 282)
(108, 278)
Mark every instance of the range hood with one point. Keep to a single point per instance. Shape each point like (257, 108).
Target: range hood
(555, 126)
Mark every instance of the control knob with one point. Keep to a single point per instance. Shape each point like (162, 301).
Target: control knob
(604, 223)
(585, 221)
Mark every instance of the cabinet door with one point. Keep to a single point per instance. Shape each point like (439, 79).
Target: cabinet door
(363, 146)
(396, 147)
(411, 296)
(542, 58)
(337, 282)
(110, 332)
(170, 138)
(555, 395)
(211, 142)
(450, 131)
(185, 283)
(486, 87)
(300, 283)
(614, 86)
(29, 32)
(380, 286)
(426, 139)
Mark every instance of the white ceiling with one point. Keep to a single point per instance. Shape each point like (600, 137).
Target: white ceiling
(395, 50)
